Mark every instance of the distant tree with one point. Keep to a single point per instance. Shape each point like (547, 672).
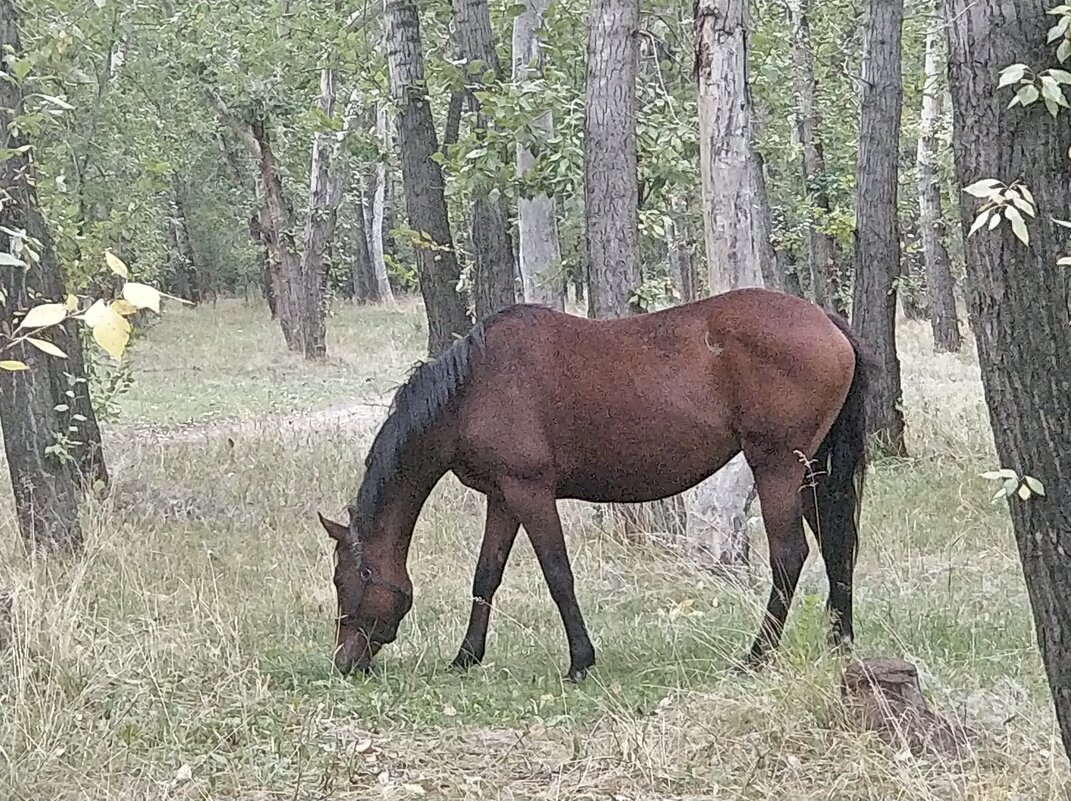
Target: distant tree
(939, 281)
(877, 242)
(1015, 159)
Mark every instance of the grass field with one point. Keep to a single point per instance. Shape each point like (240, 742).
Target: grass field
(187, 655)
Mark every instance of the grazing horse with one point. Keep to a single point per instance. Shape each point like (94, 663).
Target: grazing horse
(533, 405)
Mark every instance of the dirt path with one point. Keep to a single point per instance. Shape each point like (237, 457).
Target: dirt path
(350, 415)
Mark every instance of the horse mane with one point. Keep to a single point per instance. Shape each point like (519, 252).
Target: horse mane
(429, 389)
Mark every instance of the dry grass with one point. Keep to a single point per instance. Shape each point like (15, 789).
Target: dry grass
(186, 656)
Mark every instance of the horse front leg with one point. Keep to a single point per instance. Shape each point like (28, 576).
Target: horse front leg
(535, 505)
(500, 530)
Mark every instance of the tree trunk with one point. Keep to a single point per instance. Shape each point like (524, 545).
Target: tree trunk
(46, 489)
(611, 182)
(362, 275)
(324, 196)
(423, 179)
(821, 252)
(939, 282)
(277, 227)
(877, 243)
(539, 253)
(736, 227)
(184, 266)
(490, 238)
(736, 244)
(1019, 298)
(911, 285)
(679, 248)
(375, 212)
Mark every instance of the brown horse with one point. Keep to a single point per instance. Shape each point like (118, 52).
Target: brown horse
(533, 405)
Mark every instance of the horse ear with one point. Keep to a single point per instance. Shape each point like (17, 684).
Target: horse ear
(336, 531)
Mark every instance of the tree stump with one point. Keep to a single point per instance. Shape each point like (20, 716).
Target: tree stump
(883, 695)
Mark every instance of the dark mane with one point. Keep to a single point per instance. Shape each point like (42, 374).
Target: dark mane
(428, 390)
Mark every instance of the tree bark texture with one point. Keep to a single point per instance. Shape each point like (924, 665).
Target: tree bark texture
(611, 181)
(490, 235)
(375, 216)
(736, 241)
(821, 251)
(877, 242)
(46, 489)
(184, 260)
(1019, 298)
(679, 249)
(325, 192)
(940, 285)
(362, 273)
(423, 179)
(277, 228)
(539, 252)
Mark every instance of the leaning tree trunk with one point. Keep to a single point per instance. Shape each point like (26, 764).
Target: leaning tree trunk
(490, 239)
(539, 252)
(737, 242)
(46, 490)
(877, 243)
(423, 179)
(1019, 298)
(821, 251)
(940, 284)
(611, 180)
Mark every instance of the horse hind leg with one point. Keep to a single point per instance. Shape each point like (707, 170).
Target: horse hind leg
(829, 506)
(778, 483)
(500, 531)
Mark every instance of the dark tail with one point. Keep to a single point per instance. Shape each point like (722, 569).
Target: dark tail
(842, 456)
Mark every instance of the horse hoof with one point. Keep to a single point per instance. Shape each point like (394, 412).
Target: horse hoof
(576, 676)
(464, 660)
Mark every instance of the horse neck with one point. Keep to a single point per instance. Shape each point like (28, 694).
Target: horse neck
(405, 498)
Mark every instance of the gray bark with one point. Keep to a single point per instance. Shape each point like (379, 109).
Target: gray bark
(611, 183)
(736, 245)
(539, 252)
(877, 242)
(423, 179)
(376, 211)
(490, 237)
(821, 251)
(940, 284)
(46, 490)
(1020, 299)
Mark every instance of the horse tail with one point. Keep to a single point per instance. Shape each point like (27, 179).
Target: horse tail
(842, 456)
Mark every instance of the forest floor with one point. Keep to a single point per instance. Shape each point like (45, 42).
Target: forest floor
(187, 655)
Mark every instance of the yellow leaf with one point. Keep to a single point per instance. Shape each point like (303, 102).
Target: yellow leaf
(112, 333)
(142, 296)
(72, 303)
(124, 308)
(117, 265)
(47, 347)
(95, 313)
(13, 365)
(44, 315)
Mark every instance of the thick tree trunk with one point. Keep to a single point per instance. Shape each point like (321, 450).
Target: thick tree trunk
(877, 242)
(46, 489)
(277, 227)
(940, 284)
(611, 181)
(821, 251)
(490, 238)
(539, 252)
(736, 243)
(362, 274)
(736, 227)
(423, 179)
(1019, 298)
(325, 192)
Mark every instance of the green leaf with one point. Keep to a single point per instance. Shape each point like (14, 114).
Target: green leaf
(983, 187)
(1060, 76)
(6, 259)
(980, 220)
(1035, 486)
(1025, 96)
(1063, 52)
(1012, 74)
(118, 266)
(44, 315)
(1018, 224)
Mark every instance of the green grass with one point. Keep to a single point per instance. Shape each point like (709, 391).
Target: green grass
(187, 655)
